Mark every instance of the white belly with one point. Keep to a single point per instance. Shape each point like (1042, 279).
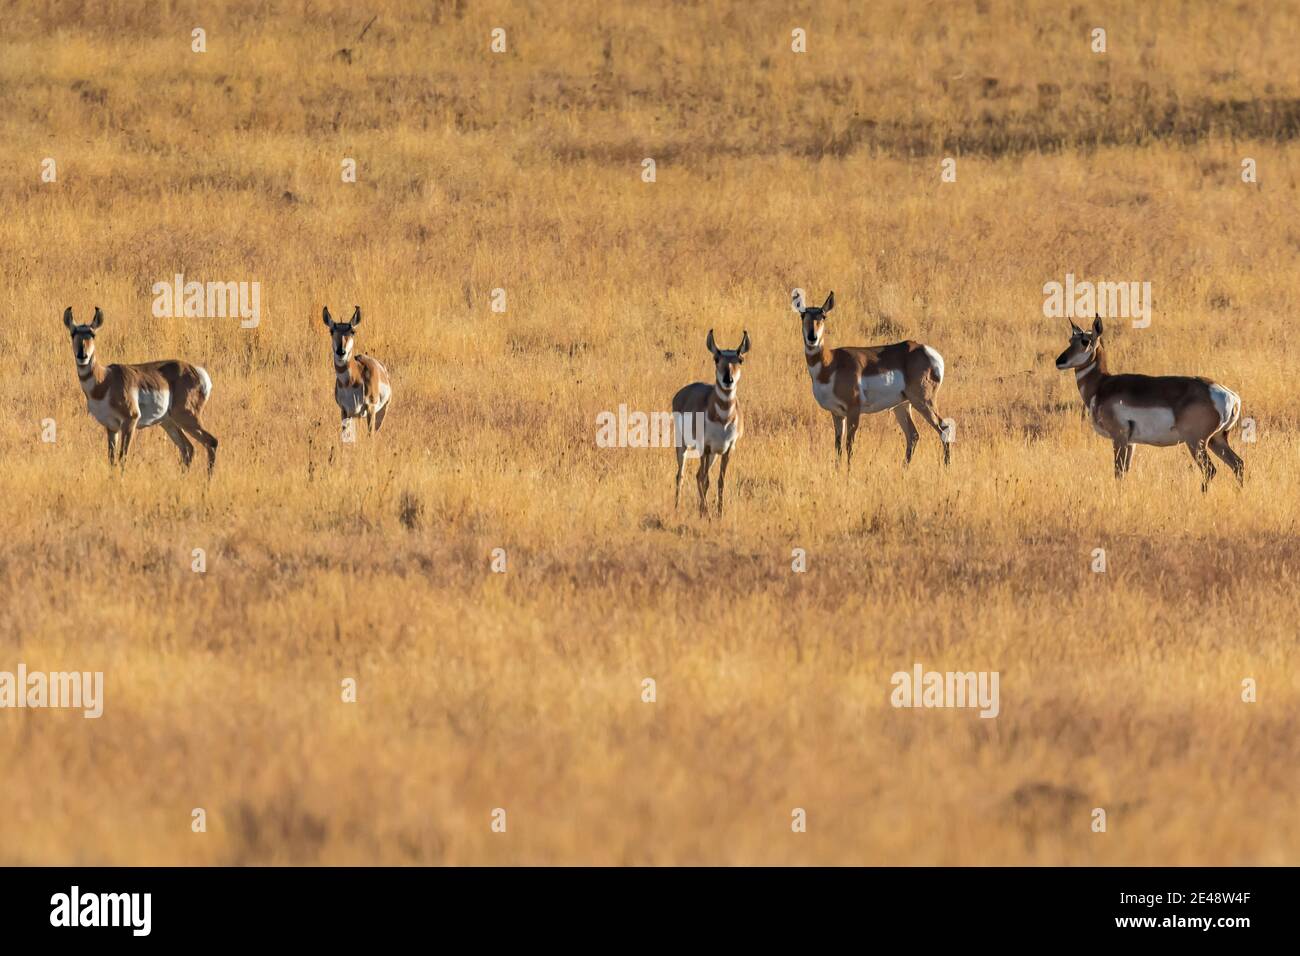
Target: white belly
(154, 406)
(351, 399)
(1151, 425)
(876, 393)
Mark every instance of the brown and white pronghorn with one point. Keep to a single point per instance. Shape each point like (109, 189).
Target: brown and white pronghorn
(851, 382)
(361, 385)
(123, 398)
(716, 408)
(1160, 410)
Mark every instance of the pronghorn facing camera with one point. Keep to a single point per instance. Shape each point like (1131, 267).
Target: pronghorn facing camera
(714, 406)
(851, 382)
(123, 398)
(360, 382)
(1152, 410)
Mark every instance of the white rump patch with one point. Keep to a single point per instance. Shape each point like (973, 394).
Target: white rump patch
(936, 361)
(205, 383)
(154, 406)
(1227, 404)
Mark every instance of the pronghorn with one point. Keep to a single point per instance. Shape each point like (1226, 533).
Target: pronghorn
(360, 383)
(1152, 410)
(851, 382)
(717, 408)
(123, 398)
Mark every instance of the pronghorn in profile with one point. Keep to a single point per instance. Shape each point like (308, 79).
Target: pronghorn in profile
(716, 407)
(123, 398)
(360, 383)
(851, 382)
(1152, 410)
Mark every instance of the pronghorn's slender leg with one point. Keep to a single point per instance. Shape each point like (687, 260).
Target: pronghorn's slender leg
(702, 480)
(839, 435)
(926, 410)
(379, 415)
(1219, 445)
(1202, 459)
(370, 419)
(722, 478)
(128, 432)
(112, 445)
(852, 432)
(681, 467)
(176, 435)
(190, 423)
(1124, 452)
(909, 430)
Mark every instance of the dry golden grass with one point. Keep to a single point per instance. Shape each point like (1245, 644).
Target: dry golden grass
(522, 690)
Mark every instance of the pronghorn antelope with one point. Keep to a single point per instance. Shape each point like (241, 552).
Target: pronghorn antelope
(360, 383)
(716, 407)
(123, 398)
(1152, 410)
(851, 382)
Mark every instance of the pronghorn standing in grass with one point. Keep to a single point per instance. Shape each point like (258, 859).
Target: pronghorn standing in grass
(851, 382)
(1152, 410)
(360, 382)
(123, 398)
(716, 407)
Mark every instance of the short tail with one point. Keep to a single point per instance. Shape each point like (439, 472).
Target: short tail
(205, 381)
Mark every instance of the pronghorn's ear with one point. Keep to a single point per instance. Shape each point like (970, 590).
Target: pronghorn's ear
(98, 320)
(744, 344)
(356, 316)
(1096, 326)
(709, 342)
(67, 317)
(830, 303)
(796, 300)
(325, 316)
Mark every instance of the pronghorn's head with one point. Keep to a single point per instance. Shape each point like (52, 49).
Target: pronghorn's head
(814, 318)
(1083, 346)
(83, 336)
(727, 362)
(342, 335)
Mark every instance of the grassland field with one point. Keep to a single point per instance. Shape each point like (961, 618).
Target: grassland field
(522, 690)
